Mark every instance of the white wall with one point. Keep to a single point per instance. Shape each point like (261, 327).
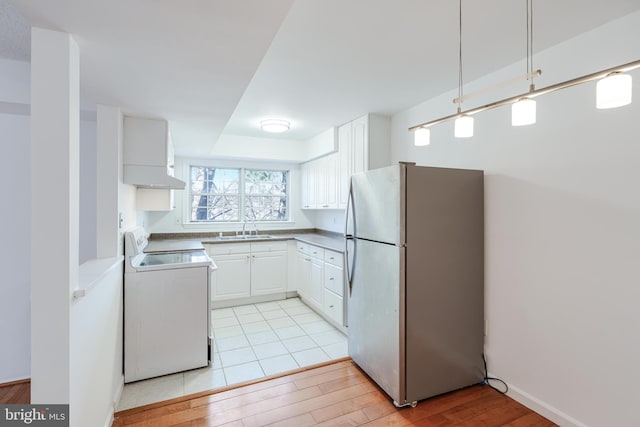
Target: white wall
(262, 149)
(15, 100)
(562, 231)
(88, 186)
(330, 220)
(175, 221)
(96, 378)
(15, 325)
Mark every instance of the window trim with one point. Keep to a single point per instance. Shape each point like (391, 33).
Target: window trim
(241, 194)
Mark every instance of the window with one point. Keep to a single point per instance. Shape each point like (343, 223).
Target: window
(237, 194)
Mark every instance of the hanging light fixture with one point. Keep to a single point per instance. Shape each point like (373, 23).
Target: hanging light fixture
(523, 112)
(464, 123)
(421, 137)
(463, 127)
(614, 91)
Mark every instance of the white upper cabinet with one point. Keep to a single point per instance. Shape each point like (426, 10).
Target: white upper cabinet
(363, 144)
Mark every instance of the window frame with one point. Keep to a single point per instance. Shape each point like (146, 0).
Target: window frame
(241, 193)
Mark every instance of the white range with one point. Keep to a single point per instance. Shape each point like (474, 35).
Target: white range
(167, 311)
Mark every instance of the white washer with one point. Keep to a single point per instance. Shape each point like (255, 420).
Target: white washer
(166, 310)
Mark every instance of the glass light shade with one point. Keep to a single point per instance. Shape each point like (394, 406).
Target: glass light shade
(274, 125)
(421, 137)
(523, 112)
(463, 127)
(613, 91)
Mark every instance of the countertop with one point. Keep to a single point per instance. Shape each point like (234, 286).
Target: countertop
(174, 245)
(334, 242)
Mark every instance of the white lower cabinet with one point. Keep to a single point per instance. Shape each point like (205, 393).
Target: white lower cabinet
(232, 279)
(315, 282)
(333, 306)
(321, 280)
(268, 272)
(247, 270)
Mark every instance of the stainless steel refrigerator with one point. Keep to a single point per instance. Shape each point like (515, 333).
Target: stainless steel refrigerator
(415, 267)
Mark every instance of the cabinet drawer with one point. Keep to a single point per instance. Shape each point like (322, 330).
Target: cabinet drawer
(333, 257)
(228, 248)
(333, 306)
(268, 246)
(303, 247)
(334, 278)
(316, 252)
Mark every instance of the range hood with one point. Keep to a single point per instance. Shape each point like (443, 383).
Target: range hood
(151, 177)
(148, 154)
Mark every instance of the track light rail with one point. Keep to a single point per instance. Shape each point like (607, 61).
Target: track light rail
(532, 94)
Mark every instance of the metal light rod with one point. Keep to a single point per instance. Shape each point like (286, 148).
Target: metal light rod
(532, 94)
(527, 76)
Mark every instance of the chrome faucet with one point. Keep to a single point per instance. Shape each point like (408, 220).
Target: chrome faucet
(244, 226)
(255, 227)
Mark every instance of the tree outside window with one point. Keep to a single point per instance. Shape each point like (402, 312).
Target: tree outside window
(236, 194)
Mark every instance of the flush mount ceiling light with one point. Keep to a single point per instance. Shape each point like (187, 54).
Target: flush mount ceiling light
(614, 89)
(275, 125)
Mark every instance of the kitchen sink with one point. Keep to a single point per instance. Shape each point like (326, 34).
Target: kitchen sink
(245, 237)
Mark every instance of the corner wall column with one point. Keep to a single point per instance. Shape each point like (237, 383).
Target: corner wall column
(55, 91)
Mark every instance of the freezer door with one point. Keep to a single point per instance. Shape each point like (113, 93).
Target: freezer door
(376, 326)
(378, 204)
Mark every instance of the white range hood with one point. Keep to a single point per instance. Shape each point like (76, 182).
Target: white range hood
(148, 154)
(151, 177)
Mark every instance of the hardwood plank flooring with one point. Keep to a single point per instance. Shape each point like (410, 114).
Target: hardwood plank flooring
(337, 394)
(16, 392)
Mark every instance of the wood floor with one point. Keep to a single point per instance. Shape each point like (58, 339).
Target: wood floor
(337, 394)
(17, 392)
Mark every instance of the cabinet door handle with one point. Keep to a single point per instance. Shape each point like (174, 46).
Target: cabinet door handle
(330, 278)
(331, 306)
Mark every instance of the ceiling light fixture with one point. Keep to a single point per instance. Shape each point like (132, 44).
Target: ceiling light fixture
(464, 123)
(614, 89)
(422, 137)
(523, 112)
(275, 125)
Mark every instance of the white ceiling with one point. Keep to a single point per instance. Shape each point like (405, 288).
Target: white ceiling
(219, 66)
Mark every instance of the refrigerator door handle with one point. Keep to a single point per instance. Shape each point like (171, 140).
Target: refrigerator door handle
(350, 237)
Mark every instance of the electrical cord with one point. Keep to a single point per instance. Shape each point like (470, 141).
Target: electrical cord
(487, 378)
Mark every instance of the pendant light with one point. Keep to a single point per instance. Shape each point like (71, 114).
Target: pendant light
(422, 137)
(614, 91)
(463, 127)
(523, 112)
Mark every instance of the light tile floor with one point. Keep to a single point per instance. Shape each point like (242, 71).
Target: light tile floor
(250, 342)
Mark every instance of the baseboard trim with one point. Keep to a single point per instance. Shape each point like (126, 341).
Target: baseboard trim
(116, 398)
(542, 408)
(16, 382)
